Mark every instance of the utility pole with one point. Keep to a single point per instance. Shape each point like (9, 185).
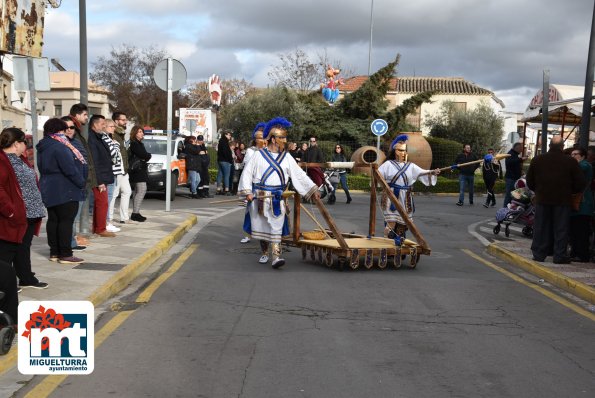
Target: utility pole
(586, 116)
(545, 103)
(84, 98)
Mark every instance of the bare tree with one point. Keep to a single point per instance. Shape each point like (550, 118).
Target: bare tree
(233, 90)
(296, 71)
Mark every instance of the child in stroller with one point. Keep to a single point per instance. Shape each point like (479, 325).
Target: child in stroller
(519, 211)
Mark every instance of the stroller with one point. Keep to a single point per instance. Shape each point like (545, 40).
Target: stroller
(7, 332)
(520, 210)
(331, 176)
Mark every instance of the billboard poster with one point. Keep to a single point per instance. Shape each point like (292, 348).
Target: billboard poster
(198, 122)
(21, 29)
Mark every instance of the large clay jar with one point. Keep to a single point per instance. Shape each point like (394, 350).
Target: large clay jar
(365, 156)
(419, 150)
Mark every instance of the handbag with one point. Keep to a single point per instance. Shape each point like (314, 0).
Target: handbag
(135, 164)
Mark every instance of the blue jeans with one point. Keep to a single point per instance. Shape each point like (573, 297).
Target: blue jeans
(466, 180)
(76, 225)
(194, 179)
(509, 188)
(223, 175)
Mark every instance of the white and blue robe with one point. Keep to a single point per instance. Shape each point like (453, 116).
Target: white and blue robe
(267, 174)
(400, 177)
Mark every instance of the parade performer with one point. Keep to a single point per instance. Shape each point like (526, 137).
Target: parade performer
(400, 176)
(258, 142)
(263, 181)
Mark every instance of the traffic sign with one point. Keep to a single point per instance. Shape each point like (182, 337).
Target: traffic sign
(379, 127)
(178, 75)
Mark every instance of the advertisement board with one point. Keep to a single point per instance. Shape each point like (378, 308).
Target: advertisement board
(21, 27)
(198, 122)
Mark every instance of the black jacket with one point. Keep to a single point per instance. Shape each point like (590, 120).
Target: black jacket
(313, 155)
(224, 151)
(192, 157)
(514, 165)
(137, 150)
(464, 158)
(102, 159)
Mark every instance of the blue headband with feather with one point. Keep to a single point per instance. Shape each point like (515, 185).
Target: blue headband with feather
(400, 138)
(279, 122)
(259, 126)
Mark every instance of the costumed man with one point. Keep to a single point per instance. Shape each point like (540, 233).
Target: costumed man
(263, 181)
(400, 176)
(258, 142)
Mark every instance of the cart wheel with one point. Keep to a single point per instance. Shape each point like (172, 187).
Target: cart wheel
(369, 259)
(414, 257)
(6, 337)
(397, 260)
(312, 253)
(496, 229)
(304, 252)
(507, 231)
(528, 231)
(354, 261)
(383, 259)
(341, 263)
(328, 259)
(319, 255)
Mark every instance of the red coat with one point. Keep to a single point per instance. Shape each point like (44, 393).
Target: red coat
(12, 229)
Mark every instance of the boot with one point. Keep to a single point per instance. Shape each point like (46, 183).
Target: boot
(206, 193)
(348, 197)
(278, 262)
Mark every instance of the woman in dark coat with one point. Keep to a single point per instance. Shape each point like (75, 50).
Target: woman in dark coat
(192, 165)
(139, 175)
(62, 184)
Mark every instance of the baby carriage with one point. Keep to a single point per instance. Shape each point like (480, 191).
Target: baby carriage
(331, 176)
(6, 331)
(520, 210)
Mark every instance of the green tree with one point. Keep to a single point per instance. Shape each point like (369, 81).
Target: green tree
(480, 127)
(128, 74)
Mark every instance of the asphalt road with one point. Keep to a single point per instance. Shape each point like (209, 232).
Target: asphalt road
(226, 326)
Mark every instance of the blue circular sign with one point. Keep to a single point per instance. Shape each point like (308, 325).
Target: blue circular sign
(379, 127)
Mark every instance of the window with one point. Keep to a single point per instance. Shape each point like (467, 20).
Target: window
(58, 110)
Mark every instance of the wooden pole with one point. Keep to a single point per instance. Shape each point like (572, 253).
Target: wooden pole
(395, 201)
(372, 229)
(331, 223)
(297, 200)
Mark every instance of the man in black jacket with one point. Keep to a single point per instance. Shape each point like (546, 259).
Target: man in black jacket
(554, 177)
(225, 161)
(104, 174)
(466, 174)
(192, 165)
(514, 170)
(203, 170)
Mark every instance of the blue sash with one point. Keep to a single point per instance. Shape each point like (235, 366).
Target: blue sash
(393, 182)
(275, 190)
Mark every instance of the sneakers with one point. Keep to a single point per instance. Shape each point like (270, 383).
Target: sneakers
(82, 241)
(137, 217)
(70, 260)
(263, 259)
(112, 228)
(106, 234)
(79, 248)
(245, 239)
(54, 258)
(37, 285)
(278, 263)
(459, 203)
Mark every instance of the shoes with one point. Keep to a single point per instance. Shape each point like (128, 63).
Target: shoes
(562, 260)
(137, 217)
(459, 203)
(485, 205)
(245, 239)
(70, 260)
(54, 258)
(79, 248)
(37, 285)
(348, 200)
(111, 228)
(82, 241)
(227, 193)
(278, 263)
(470, 203)
(579, 260)
(19, 290)
(539, 260)
(107, 234)
(263, 259)
(129, 222)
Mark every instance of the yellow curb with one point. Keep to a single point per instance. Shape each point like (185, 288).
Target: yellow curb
(570, 285)
(121, 279)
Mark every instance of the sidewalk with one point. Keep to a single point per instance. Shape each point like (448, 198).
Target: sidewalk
(575, 278)
(111, 264)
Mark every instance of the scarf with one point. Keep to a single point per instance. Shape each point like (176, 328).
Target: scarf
(62, 138)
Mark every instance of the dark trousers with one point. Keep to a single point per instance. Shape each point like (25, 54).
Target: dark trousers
(8, 283)
(550, 231)
(491, 197)
(580, 232)
(22, 262)
(59, 228)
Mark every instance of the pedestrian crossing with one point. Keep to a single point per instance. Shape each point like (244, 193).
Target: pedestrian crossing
(515, 232)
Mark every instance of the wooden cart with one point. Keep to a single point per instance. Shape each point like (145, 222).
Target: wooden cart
(343, 248)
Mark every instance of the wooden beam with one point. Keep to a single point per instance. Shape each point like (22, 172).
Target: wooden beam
(331, 223)
(372, 229)
(297, 201)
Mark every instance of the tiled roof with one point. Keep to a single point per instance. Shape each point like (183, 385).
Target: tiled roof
(444, 85)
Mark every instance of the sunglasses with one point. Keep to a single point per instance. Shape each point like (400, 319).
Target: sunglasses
(71, 127)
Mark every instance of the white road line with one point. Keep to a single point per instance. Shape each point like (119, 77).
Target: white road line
(471, 229)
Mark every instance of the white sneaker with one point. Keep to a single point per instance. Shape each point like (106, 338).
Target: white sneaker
(112, 228)
(245, 239)
(278, 262)
(264, 259)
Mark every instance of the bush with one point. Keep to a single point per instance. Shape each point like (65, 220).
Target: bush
(444, 152)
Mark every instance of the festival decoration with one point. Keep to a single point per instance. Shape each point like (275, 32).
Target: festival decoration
(330, 92)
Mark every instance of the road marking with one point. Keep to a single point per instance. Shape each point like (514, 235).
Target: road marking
(540, 289)
(146, 294)
(50, 383)
(471, 229)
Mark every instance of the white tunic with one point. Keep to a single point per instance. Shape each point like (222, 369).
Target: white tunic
(265, 224)
(388, 170)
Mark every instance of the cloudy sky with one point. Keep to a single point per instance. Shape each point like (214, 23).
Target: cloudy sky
(501, 45)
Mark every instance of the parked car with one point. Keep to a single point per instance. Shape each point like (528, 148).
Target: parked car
(156, 144)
